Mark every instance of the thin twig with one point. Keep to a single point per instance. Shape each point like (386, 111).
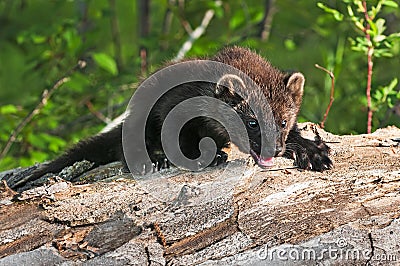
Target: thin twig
(96, 113)
(144, 30)
(168, 15)
(370, 53)
(182, 20)
(267, 20)
(45, 97)
(167, 21)
(184, 23)
(322, 124)
(196, 34)
(143, 61)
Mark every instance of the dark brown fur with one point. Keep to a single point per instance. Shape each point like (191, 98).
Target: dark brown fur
(284, 93)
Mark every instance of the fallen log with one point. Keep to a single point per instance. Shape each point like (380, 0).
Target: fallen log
(236, 214)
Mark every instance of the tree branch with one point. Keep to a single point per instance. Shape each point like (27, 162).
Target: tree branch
(144, 22)
(196, 34)
(370, 53)
(267, 20)
(45, 97)
(322, 124)
(167, 21)
(96, 113)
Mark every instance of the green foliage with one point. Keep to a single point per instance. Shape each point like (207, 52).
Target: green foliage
(380, 42)
(372, 39)
(335, 13)
(106, 62)
(386, 96)
(41, 41)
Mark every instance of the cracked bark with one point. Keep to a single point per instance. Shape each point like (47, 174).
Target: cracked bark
(371, 241)
(216, 221)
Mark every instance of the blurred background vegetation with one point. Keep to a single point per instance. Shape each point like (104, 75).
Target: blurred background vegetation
(122, 41)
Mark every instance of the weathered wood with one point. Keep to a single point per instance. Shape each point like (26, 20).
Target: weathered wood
(237, 214)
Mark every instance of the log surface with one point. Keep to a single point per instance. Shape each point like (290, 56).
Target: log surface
(235, 214)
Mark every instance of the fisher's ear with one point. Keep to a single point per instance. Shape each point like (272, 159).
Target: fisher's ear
(295, 85)
(229, 84)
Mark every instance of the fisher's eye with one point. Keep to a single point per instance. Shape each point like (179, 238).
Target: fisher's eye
(252, 124)
(284, 123)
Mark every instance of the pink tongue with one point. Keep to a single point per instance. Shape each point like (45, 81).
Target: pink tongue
(266, 162)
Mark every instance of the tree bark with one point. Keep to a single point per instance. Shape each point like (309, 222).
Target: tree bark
(235, 214)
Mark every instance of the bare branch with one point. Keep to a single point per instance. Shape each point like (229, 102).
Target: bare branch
(45, 97)
(370, 53)
(196, 34)
(144, 22)
(167, 21)
(96, 113)
(322, 124)
(267, 20)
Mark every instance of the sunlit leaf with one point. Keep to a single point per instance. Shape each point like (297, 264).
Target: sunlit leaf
(237, 20)
(336, 14)
(38, 39)
(106, 62)
(290, 45)
(380, 25)
(8, 109)
(390, 3)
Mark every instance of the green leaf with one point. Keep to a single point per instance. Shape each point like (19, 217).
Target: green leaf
(35, 156)
(38, 39)
(21, 38)
(359, 25)
(217, 7)
(380, 25)
(379, 38)
(36, 140)
(394, 36)
(350, 11)
(55, 143)
(78, 82)
(336, 14)
(360, 6)
(45, 141)
(290, 44)
(390, 3)
(219, 12)
(72, 39)
(378, 95)
(257, 17)
(237, 20)
(393, 84)
(106, 62)
(374, 28)
(8, 109)
(390, 103)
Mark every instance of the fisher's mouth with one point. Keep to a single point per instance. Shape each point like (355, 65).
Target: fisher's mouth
(261, 161)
